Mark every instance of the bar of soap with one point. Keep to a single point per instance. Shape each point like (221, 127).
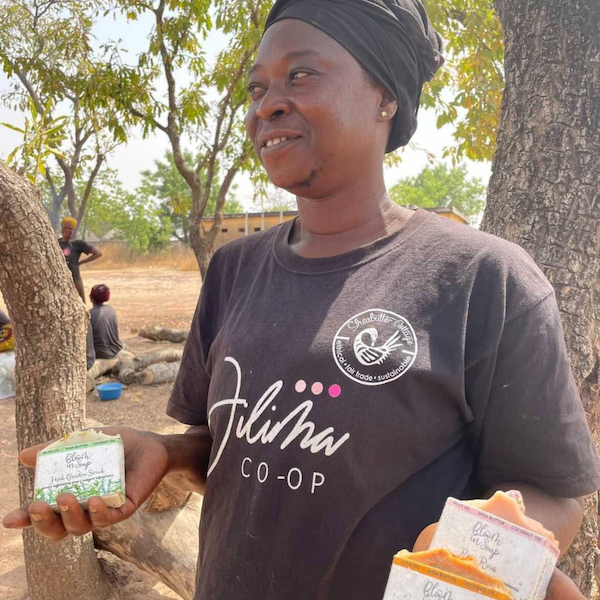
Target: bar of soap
(503, 541)
(84, 463)
(511, 507)
(466, 567)
(437, 574)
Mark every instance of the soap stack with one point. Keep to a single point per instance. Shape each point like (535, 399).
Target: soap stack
(481, 548)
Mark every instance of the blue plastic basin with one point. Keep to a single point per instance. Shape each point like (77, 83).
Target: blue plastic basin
(110, 391)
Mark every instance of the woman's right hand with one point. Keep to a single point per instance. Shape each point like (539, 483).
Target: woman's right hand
(146, 463)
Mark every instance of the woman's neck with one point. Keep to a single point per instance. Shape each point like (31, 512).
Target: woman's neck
(345, 222)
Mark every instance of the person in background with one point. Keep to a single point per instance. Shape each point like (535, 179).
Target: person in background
(72, 251)
(90, 351)
(7, 340)
(104, 324)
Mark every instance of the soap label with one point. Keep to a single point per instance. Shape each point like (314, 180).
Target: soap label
(85, 470)
(522, 559)
(409, 580)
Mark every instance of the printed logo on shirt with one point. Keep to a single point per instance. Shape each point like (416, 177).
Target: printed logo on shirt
(375, 347)
(66, 252)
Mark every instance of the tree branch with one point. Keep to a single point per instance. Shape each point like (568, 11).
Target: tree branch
(172, 128)
(140, 115)
(223, 191)
(88, 188)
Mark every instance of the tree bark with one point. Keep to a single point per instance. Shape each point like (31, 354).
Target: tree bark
(164, 334)
(164, 544)
(166, 355)
(159, 373)
(50, 325)
(545, 188)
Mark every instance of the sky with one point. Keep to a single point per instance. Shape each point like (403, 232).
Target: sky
(139, 154)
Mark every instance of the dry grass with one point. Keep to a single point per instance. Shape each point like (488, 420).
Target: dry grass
(119, 256)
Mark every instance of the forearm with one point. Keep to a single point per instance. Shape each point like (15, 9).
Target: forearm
(562, 516)
(90, 258)
(189, 455)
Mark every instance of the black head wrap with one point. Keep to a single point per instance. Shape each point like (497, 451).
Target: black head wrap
(392, 39)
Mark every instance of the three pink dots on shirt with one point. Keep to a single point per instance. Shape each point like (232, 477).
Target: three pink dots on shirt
(317, 388)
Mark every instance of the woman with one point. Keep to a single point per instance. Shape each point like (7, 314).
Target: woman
(72, 251)
(105, 325)
(347, 372)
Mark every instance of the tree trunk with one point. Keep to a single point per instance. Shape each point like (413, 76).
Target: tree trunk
(164, 544)
(198, 242)
(50, 325)
(545, 188)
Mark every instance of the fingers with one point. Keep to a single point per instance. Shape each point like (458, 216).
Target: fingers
(74, 519)
(46, 522)
(29, 455)
(17, 519)
(104, 516)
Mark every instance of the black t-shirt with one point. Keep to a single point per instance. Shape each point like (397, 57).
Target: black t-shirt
(72, 251)
(106, 331)
(349, 396)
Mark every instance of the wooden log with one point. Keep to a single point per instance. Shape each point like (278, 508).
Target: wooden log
(164, 544)
(163, 334)
(102, 366)
(165, 497)
(159, 373)
(160, 355)
(126, 370)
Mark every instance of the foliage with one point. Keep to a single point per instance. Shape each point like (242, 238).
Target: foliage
(133, 217)
(42, 137)
(174, 197)
(208, 110)
(467, 92)
(101, 486)
(440, 186)
(46, 52)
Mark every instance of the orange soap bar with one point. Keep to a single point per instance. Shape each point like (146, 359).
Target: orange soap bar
(467, 567)
(437, 574)
(510, 507)
(503, 540)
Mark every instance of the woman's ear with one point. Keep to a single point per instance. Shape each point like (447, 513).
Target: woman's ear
(388, 106)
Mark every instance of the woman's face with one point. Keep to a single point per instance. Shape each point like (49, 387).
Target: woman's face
(315, 118)
(67, 232)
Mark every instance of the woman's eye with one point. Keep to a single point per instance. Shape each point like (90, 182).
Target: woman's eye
(253, 89)
(298, 75)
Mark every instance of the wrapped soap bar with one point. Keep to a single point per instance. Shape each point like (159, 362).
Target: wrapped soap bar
(522, 558)
(438, 575)
(85, 464)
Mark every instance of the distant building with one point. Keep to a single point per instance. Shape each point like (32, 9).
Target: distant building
(114, 235)
(236, 226)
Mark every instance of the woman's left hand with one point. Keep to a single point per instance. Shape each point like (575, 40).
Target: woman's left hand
(563, 588)
(560, 587)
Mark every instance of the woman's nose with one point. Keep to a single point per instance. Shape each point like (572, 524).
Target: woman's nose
(273, 104)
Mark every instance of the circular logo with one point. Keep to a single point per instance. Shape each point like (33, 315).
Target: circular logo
(375, 347)
(66, 252)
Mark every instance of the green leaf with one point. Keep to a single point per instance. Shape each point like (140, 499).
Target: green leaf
(11, 156)
(13, 127)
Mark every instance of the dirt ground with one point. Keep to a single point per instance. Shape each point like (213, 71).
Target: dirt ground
(140, 297)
